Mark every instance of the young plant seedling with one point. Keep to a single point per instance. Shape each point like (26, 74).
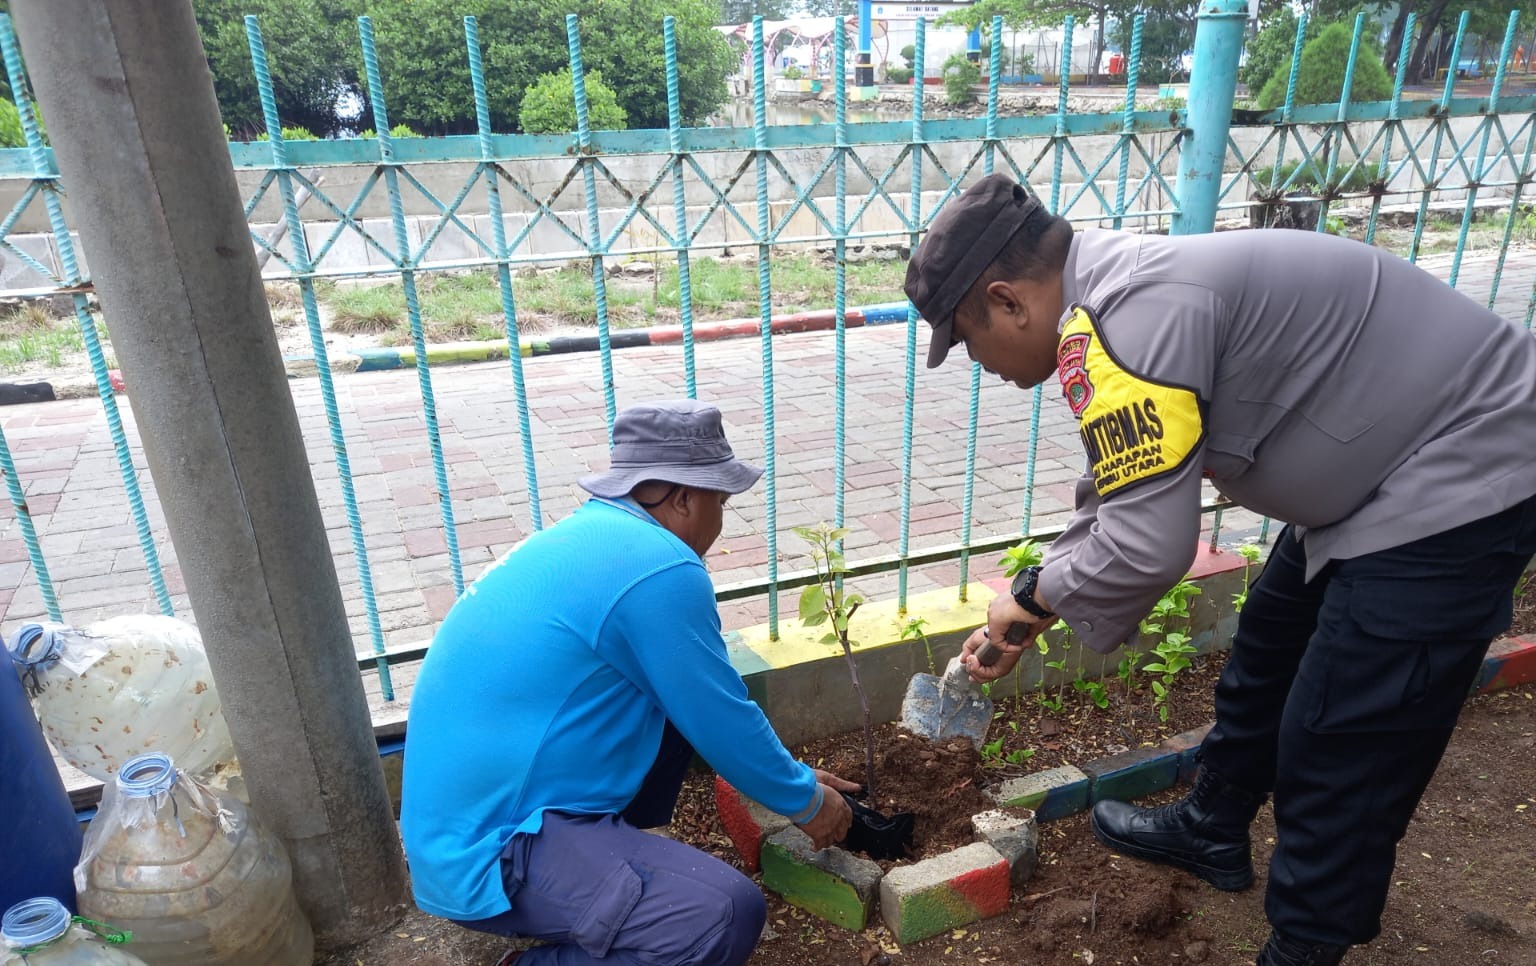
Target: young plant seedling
(1250, 555)
(916, 629)
(826, 602)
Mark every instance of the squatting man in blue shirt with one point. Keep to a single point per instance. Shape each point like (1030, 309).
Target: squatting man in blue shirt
(1389, 421)
(561, 703)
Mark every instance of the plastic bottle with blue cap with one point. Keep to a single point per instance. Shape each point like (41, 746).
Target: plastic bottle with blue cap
(190, 872)
(41, 932)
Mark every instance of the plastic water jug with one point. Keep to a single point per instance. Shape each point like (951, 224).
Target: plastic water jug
(39, 835)
(121, 687)
(41, 932)
(190, 872)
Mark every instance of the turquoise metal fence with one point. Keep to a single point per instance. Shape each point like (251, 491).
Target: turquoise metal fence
(496, 203)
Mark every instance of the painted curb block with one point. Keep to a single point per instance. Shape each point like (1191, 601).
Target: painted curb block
(946, 891)
(1131, 774)
(1016, 837)
(1510, 663)
(386, 357)
(747, 823)
(1052, 794)
(1187, 747)
(836, 885)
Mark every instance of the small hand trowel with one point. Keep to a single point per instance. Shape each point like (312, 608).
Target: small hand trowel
(938, 707)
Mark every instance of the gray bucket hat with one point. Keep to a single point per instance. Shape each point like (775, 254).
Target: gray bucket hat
(676, 441)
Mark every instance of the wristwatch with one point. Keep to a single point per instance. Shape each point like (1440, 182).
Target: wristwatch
(1024, 593)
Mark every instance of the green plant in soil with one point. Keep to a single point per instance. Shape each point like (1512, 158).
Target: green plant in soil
(916, 629)
(826, 602)
(1250, 555)
(1173, 650)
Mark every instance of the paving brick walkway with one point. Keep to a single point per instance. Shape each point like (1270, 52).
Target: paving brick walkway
(65, 459)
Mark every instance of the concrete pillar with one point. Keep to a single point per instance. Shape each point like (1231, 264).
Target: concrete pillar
(130, 107)
(1212, 89)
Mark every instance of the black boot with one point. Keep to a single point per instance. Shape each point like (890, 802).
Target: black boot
(1284, 951)
(1205, 834)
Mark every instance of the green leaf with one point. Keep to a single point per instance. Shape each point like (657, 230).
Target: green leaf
(1159, 690)
(813, 600)
(837, 534)
(830, 638)
(816, 619)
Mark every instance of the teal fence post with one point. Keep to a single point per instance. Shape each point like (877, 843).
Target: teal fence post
(1219, 29)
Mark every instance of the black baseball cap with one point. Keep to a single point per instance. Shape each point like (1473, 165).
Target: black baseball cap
(963, 241)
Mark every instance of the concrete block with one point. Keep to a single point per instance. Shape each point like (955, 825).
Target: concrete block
(1132, 774)
(1187, 745)
(1510, 663)
(1053, 793)
(944, 892)
(833, 884)
(1016, 838)
(747, 823)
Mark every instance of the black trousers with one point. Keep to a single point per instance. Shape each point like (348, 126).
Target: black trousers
(1339, 697)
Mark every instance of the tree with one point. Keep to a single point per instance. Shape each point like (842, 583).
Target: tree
(1271, 48)
(1168, 31)
(1321, 77)
(549, 107)
(742, 11)
(421, 46)
(309, 47)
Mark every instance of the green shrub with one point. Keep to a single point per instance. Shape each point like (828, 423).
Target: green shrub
(395, 131)
(909, 54)
(898, 75)
(960, 76)
(1271, 48)
(11, 135)
(792, 72)
(1321, 78)
(549, 106)
(291, 134)
(1310, 179)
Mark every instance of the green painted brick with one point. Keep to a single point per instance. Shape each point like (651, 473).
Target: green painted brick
(1132, 774)
(832, 884)
(946, 891)
(1053, 793)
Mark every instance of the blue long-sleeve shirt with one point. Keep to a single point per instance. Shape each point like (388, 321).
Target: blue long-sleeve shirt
(547, 687)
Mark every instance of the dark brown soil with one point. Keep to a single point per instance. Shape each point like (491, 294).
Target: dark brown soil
(1465, 891)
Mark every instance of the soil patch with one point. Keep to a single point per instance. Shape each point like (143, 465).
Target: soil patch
(1464, 891)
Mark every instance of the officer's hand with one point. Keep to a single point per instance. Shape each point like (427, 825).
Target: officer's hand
(829, 825)
(1002, 614)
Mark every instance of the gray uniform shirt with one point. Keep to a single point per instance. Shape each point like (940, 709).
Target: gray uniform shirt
(1314, 379)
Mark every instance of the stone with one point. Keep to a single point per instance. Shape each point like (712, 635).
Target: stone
(1015, 837)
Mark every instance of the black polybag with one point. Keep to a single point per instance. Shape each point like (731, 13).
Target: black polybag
(876, 835)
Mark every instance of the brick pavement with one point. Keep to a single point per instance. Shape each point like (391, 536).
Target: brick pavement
(65, 460)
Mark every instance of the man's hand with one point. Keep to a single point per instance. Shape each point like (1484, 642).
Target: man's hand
(830, 824)
(1002, 614)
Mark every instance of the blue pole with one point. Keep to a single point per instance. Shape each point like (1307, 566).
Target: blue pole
(864, 67)
(973, 44)
(1212, 88)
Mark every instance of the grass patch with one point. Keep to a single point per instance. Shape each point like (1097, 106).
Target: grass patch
(377, 308)
(49, 346)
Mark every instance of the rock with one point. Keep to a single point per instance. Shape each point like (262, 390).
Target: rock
(1197, 952)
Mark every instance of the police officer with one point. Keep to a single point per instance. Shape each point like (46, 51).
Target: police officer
(1389, 421)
